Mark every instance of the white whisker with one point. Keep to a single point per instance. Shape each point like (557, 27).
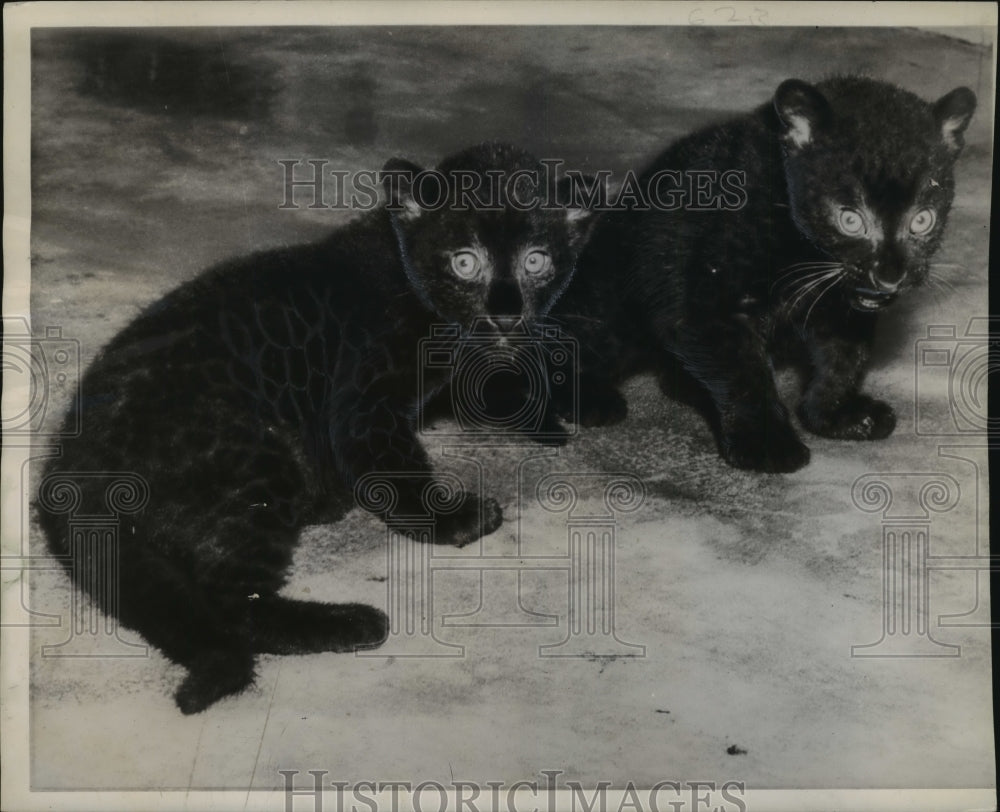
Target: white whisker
(799, 295)
(819, 296)
(940, 280)
(805, 277)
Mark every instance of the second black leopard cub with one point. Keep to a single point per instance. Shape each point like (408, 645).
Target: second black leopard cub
(848, 185)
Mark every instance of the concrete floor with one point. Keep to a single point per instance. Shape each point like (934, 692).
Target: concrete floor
(747, 591)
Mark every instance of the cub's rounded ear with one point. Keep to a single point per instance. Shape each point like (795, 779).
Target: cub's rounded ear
(583, 196)
(803, 111)
(953, 112)
(398, 177)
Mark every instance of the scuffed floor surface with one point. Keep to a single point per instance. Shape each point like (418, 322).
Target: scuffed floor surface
(746, 591)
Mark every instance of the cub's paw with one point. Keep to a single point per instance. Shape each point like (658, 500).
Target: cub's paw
(859, 418)
(600, 405)
(368, 626)
(476, 517)
(769, 446)
(213, 677)
(549, 432)
(551, 438)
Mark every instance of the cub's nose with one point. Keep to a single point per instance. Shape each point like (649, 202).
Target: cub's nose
(498, 326)
(883, 282)
(504, 299)
(506, 325)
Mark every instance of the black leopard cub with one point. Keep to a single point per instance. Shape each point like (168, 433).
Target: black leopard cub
(252, 399)
(846, 188)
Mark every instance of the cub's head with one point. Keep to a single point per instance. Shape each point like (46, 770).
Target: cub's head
(870, 178)
(487, 238)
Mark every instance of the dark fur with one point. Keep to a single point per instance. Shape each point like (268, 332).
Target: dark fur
(721, 295)
(253, 398)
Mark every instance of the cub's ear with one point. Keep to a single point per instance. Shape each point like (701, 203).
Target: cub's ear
(583, 196)
(803, 111)
(952, 113)
(398, 177)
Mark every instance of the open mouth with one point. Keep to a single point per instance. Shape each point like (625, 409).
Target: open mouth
(869, 300)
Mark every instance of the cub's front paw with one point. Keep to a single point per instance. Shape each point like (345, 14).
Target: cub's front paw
(549, 431)
(476, 517)
(859, 418)
(769, 446)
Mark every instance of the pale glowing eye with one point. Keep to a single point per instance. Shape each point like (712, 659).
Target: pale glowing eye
(465, 264)
(850, 222)
(923, 221)
(537, 262)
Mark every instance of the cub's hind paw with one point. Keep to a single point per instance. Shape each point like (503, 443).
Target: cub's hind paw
(477, 517)
(550, 432)
(771, 448)
(283, 625)
(551, 439)
(368, 626)
(213, 677)
(859, 418)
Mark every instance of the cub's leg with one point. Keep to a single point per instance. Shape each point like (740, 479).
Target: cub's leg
(177, 615)
(730, 360)
(376, 435)
(596, 400)
(588, 395)
(200, 584)
(831, 404)
(518, 401)
(280, 625)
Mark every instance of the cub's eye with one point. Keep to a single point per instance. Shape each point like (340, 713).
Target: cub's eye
(465, 264)
(537, 262)
(850, 222)
(923, 221)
